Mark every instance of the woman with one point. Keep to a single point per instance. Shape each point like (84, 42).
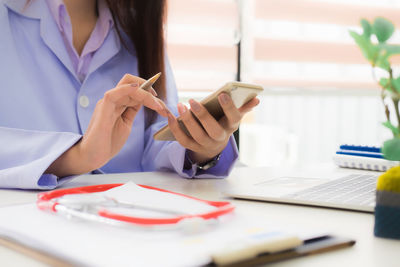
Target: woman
(67, 106)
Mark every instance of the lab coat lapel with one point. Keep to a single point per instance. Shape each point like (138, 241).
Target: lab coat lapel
(51, 35)
(49, 31)
(53, 39)
(108, 50)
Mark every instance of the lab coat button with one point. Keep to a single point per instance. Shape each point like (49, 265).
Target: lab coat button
(84, 101)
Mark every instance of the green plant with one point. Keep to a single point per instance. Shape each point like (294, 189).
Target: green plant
(379, 53)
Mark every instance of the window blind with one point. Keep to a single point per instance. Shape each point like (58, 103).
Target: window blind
(305, 43)
(202, 43)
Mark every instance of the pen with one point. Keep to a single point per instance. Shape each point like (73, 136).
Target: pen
(147, 85)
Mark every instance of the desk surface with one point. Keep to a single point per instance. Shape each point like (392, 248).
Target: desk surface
(369, 250)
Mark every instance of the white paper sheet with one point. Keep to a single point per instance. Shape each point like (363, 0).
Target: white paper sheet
(95, 244)
(153, 199)
(133, 200)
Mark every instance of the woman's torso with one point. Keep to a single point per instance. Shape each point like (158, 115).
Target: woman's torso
(39, 89)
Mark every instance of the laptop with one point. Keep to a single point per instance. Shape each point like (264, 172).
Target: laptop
(343, 190)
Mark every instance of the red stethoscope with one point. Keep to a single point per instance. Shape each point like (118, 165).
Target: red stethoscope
(52, 201)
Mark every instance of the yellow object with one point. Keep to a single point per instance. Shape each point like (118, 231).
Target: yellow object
(390, 180)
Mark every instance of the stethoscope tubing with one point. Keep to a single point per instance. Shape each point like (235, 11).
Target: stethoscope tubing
(48, 201)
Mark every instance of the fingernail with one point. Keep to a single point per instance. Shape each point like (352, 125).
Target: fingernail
(134, 84)
(224, 98)
(181, 108)
(170, 118)
(153, 92)
(194, 105)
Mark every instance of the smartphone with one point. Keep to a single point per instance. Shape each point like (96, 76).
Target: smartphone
(241, 93)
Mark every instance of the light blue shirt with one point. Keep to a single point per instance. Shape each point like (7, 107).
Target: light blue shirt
(45, 109)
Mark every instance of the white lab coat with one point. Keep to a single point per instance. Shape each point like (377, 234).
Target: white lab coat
(43, 110)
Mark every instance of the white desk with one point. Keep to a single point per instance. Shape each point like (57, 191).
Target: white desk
(368, 251)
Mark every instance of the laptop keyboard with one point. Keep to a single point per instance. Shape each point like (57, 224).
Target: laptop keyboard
(354, 189)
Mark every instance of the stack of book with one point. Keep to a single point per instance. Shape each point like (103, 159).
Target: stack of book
(362, 157)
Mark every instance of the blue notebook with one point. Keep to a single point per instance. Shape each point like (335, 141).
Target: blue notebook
(362, 157)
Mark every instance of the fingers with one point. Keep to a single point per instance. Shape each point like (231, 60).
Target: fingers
(120, 95)
(128, 79)
(129, 115)
(165, 107)
(249, 105)
(203, 127)
(180, 135)
(130, 95)
(232, 114)
(211, 126)
(193, 126)
(147, 99)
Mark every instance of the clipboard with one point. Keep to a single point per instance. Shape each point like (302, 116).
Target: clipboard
(310, 247)
(39, 255)
(198, 249)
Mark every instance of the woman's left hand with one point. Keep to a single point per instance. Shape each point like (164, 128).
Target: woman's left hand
(208, 136)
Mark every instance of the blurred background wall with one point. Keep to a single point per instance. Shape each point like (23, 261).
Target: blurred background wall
(319, 90)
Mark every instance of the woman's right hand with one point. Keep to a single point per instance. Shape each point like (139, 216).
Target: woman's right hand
(109, 128)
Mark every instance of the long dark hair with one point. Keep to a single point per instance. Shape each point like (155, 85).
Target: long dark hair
(142, 21)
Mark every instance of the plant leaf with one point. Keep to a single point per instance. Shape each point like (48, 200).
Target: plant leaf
(382, 59)
(385, 83)
(390, 48)
(368, 49)
(396, 84)
(386, 51)
(383, 29)
(367, 28)
(390, 126)
(391, 149)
